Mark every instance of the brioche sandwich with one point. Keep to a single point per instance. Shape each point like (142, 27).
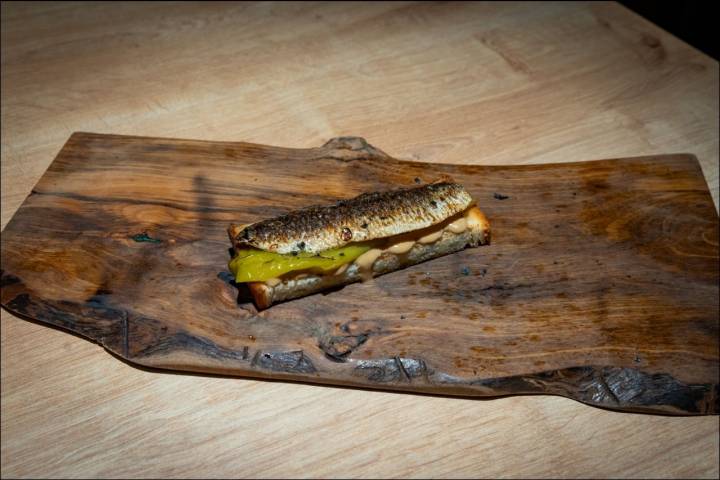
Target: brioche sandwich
(319, 247)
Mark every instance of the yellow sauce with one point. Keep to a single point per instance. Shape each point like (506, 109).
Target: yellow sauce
(365, 262)
(458, 226)
(402, 247)
(431, 237)
(271, 282)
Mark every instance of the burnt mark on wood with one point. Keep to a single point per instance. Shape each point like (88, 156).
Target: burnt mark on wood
(612, 387)
(391, 369)
(290, 362)
(181, 340)
(338, 348)
(401, 369)
(602, 382)
(96, 322)
(20, 303)
(500, 196)
(7, 279)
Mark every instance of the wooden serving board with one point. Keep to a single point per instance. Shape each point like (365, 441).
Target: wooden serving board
(601, 283)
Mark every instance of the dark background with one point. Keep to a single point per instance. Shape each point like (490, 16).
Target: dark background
(689, 21)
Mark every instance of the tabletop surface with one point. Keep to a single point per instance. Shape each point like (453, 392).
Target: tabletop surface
(499, 83)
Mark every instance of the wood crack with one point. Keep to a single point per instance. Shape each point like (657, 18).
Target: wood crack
(401, 367)
(607, 389)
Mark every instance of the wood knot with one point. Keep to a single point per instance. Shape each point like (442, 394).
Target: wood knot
(347, 143)
(352, 148)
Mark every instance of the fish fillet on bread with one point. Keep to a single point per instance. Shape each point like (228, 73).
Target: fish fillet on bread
(320, 247)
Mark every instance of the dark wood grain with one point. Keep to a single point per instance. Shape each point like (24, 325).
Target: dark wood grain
(601, 283)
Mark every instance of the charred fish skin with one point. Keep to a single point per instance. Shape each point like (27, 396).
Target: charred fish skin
(366, 217)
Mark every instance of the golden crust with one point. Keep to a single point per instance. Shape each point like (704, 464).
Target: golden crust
(261, 293)
(366, 217)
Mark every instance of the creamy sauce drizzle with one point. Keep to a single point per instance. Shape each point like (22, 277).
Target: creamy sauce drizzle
(431, 237)
(366, 260)
(458, 226)
(402, 247)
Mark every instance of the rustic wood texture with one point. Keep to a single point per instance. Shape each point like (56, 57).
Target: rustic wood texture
(471, 83)
(600, 283)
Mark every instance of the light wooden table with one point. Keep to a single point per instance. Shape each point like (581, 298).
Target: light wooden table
(461, 83)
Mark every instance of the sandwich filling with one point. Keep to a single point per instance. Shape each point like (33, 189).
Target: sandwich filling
(254, 265)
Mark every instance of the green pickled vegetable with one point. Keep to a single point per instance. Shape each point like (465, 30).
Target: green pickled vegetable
(252, 265)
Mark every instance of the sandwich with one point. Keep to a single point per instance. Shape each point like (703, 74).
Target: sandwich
(321, 247)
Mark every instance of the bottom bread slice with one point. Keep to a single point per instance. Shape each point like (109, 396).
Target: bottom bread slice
(266, 294)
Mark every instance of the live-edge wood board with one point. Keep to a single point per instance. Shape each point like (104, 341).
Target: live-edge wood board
(601, 282)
